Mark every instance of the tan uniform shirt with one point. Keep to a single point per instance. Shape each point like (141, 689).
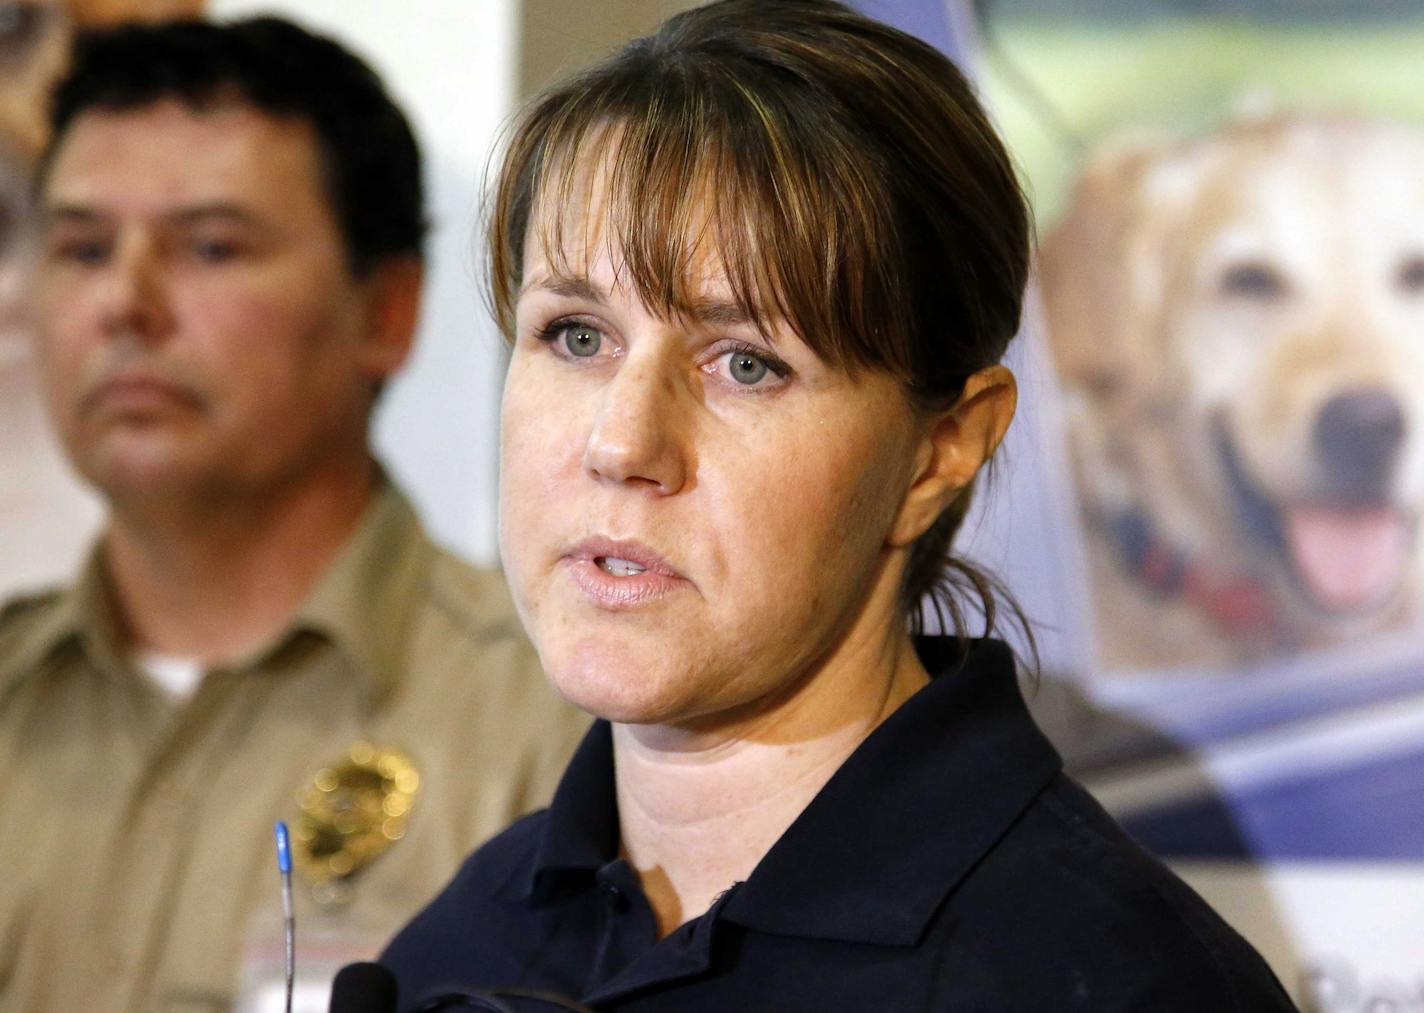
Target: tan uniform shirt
(136, 857)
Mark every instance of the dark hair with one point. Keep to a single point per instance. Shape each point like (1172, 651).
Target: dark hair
(849, 181)
(369, 157)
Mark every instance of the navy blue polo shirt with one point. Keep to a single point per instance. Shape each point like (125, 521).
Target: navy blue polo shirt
(948, 865)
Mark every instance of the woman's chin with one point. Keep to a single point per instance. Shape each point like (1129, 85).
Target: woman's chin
(612, 701)
(617, 688)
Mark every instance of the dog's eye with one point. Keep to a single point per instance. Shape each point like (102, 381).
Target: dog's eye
(1410, 278)
(1253, 280)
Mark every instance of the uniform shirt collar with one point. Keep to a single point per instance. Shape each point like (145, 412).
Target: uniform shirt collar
(580, 835)
(369, 596)
(363, 603)
(902, 822)
(81, 617)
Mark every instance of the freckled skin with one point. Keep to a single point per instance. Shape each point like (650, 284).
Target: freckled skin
(774, 499)
(775, 505)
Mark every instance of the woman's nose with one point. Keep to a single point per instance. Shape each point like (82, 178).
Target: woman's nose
(637, 434)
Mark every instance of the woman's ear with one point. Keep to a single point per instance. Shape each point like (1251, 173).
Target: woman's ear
(393, 310)
(953, 447)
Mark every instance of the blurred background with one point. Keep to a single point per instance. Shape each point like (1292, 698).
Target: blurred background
(1209, 503)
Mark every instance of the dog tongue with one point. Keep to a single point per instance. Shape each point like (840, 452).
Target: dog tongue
(1349, 559)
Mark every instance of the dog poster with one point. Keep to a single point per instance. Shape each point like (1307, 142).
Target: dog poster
(1229, 306)
(1235, 318)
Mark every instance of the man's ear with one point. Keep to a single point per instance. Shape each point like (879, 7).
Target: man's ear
(953, 447)
(392, 292)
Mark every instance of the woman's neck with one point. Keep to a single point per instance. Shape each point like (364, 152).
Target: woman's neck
(699, 810)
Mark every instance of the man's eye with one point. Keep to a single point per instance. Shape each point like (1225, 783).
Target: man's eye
(214, 251)
(82, 251)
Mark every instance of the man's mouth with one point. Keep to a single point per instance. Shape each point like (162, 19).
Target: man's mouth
(134, 393)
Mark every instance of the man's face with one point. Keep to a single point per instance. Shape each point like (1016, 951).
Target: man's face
(200, 329)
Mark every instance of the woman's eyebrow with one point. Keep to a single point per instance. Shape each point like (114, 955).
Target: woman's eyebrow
(707, 312)
(568, 286)
(720, 313)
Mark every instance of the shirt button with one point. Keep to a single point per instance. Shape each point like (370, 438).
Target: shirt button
(615, 897)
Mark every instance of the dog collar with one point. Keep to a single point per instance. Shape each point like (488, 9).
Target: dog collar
(1236, 602)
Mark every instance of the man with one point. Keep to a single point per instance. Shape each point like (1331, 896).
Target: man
(228, 269)
(39, 494)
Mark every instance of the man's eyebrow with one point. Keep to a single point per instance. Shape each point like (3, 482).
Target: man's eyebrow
(218, 210)
(54, 214)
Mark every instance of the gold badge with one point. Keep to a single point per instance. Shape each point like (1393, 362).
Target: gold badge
(352, 812)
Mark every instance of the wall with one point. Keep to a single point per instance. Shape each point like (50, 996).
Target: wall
(452, 69)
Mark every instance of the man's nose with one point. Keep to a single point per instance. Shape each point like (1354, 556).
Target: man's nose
(134, 300)
(638, 434)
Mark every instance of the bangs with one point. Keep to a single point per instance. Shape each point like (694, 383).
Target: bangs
(824, 172)
(681, 173)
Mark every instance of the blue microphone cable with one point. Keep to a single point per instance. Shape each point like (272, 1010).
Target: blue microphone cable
(289, 921)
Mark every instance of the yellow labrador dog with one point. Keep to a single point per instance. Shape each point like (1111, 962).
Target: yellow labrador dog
(1238, 321)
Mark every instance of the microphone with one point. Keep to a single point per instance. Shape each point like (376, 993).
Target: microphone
(371, 988)
(363, 988)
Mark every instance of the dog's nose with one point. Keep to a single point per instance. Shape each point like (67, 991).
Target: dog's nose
(1358, 436)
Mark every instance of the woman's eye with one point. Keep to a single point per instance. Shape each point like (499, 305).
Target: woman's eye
(746, 368)
(749, 368)
(582, 340)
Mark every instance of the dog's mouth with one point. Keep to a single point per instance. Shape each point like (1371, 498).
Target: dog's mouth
(1346, 554)
(1348, 559)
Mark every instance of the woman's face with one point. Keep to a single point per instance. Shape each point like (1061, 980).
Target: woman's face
(693, 518)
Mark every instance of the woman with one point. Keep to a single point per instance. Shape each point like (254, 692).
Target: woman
(758, 271)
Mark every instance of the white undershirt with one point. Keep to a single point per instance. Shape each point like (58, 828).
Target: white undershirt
(178, 676)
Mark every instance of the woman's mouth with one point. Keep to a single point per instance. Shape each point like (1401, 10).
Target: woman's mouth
(621, 574)
(619, 567)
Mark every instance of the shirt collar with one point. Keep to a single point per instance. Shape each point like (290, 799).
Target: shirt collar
(370, 595)
(580, 834)
(922, 800)
(897, 827)
(82, 615)
(363, 603)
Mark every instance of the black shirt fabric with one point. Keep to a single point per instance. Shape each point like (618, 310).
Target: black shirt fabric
(949, 864)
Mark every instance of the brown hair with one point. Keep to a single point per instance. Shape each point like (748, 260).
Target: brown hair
(842, 171)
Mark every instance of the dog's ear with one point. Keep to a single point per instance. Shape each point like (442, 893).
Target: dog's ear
(1102, 267)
